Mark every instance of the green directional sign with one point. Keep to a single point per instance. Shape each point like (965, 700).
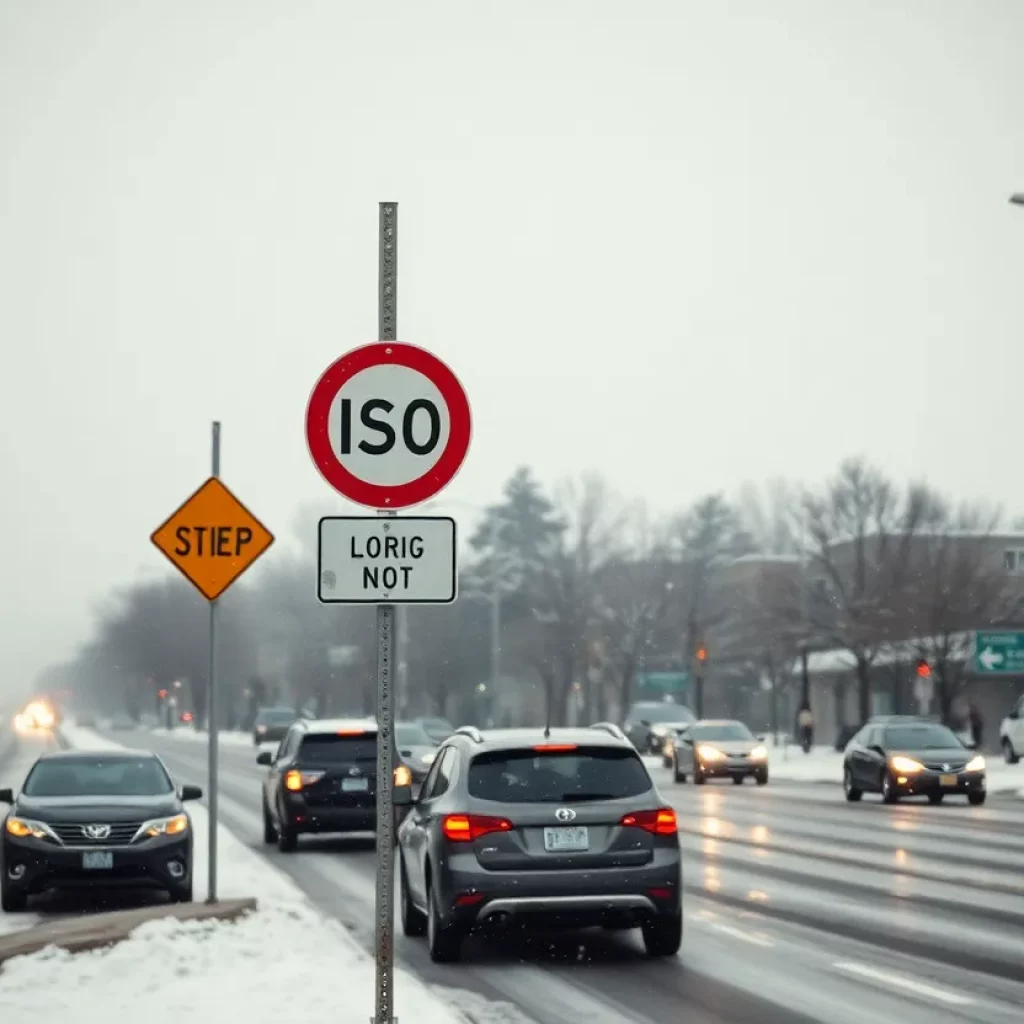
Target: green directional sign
(999, 653)
(668, 682)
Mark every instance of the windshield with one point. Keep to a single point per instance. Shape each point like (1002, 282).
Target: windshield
(330, 749)
(98, 776)
(921, 737)
(661, 713)
(722, 731)
(528, 777)
(282, 716)
(412, 736)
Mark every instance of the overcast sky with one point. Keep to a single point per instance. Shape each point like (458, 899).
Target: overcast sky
(684, 243)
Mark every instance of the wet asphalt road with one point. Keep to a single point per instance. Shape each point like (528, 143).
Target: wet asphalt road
(799, 907)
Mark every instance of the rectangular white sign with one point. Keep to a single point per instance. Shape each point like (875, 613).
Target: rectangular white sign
(387, 560)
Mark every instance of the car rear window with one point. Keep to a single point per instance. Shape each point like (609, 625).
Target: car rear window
(585, 773)
(331, 749)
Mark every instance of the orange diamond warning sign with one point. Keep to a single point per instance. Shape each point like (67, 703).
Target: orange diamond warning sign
(212, 539)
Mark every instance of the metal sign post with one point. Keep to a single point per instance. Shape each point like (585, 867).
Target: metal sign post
(387, 328)
(211, 712)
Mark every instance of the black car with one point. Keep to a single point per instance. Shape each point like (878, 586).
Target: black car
(271, 724)
(97, 818)
(323, 778)
(649, 723)
(719, 749)
(560, 828)
(416, 749)
(900, 757)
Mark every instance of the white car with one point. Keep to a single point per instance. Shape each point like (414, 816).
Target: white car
(1011, 734)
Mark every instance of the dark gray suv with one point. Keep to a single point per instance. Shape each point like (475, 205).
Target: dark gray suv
(562, 828)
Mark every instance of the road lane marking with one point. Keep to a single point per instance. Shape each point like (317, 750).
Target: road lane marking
(902, 981)
(754, 938)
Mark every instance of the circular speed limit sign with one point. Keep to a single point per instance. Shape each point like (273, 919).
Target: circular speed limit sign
(388, 425)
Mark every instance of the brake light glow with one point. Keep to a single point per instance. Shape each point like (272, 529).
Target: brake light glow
(351, 732)
(464, 828)
(468, 899)
(549, 748)
(661, 822)
(295, 780)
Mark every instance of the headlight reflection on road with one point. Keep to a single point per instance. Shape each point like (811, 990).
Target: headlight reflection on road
(713, 826)
(760, 834)
(758, 896)
(711, 879)
(901, 856)
(710, 847)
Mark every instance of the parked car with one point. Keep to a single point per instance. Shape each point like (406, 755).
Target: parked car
(901, 757)
(271, 724)
(648, 723)
(717, 749)
(1011, 733)
(102, 818)
(547, 828)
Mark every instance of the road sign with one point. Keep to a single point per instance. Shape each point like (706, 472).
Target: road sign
(212, 539)
(667, 681)
(999, 653)
(374, 560)
(388, 425)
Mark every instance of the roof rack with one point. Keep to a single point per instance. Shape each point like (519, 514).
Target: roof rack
(471, 731)
(611, 728)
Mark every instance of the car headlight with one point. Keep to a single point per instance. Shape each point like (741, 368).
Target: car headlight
(906, 765)
(173, 826)
(976, 764)
(710, 754)
(428, 758)
(22, 828)
(759, 753)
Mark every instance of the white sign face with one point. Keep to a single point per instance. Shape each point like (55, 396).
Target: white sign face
(377, 560)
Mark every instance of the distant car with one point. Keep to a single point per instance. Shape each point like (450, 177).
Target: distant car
(911, 757)
(558, 828)
(719, 748)
(122, 722)
(416, 749)
(1011, 733)
(323, 779)
(438, 729)
(271, 724)
(649, 723)
(103, 818)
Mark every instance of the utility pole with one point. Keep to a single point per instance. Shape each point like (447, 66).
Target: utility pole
(700, 657)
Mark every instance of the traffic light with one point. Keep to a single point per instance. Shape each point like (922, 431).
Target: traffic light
(924, 670)
(702, 654)
(162, 694)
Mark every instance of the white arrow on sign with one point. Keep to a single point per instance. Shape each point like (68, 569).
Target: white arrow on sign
(990, 659)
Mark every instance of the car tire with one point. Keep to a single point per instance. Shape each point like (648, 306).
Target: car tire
(666, 762)
(737, 780)
(853, 794)
(761, 778)
(444, 942)
(935, 798)
(663, 935)
(181, 894)
(414, 921)
(287, 838)
(976, 798)
(677, 774)
(1010, 756)
(269, 832)
(12, 900)
(890, 795)
(698, 777)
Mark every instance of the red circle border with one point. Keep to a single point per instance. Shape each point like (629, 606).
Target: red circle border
(344, 369)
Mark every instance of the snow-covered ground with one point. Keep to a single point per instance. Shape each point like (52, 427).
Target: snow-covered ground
(225, 738)
(253, 970)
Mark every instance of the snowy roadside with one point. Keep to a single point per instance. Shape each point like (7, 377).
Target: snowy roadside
(205, 971)
(186, 734)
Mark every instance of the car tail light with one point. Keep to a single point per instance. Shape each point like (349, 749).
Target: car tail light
(351, 732)
(661, 822)
(464, 828)
(469, 899)
(295, 780)
(551, 748)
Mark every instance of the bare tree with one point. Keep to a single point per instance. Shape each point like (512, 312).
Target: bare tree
(769, 516)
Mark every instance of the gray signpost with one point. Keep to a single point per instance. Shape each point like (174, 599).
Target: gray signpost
(388, 425)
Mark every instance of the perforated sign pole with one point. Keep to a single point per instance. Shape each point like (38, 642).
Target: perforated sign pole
(211, 712)
(387, 329)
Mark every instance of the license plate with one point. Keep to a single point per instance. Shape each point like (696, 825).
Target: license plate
(570, 838)
(355, 785)
(947, 780)
(97, 860)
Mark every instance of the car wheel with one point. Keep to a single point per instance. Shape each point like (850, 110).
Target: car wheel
(853, 794)
(737, 780)
(1009, 754)
(414, 921)
(269, 832)
(935, 798)
(182, 894)
(889, 794)
(976, 798)
(677, 774)
(762, 777)
(698, 777)
(12, 900)
(287, 838)
(666, 762)
(663, 935)
(444, 942)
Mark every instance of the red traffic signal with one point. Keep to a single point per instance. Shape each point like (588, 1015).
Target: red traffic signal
(702, 654)
(161, 694)
(924, 670)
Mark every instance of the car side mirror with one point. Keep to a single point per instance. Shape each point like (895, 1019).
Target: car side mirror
(6, 796)
(762, 739)
(401, 796)
(191, 793)
(877, 750)
(265, 758)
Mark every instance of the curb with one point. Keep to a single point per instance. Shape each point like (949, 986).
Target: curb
(96, 931)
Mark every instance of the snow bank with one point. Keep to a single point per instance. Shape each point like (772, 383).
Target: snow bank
(230, 739)
(285, 958)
